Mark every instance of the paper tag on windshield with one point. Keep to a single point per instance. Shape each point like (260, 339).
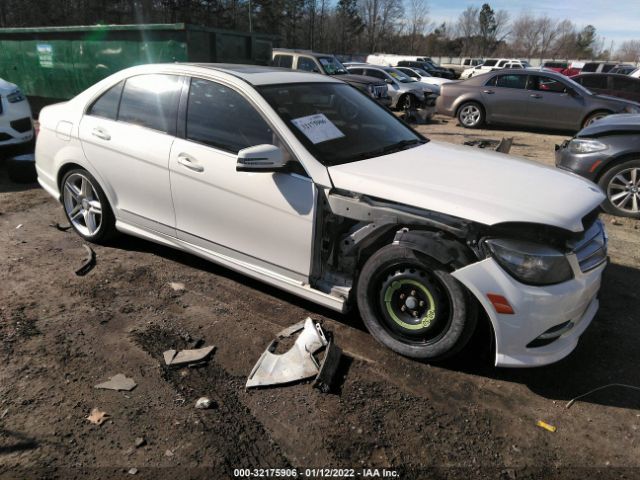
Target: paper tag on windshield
(317, 128)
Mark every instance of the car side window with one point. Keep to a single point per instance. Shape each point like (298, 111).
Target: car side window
(376, 74)
(106, 106)
(151, 101)
(546, 84)
(222, 118)
(307, 64)
(593, 81)
(355, 71)
(284, 61)
(511, 81)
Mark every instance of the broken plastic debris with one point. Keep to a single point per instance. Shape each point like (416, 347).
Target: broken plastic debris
(182, 357)
(97, 417)
(140, 442)
(546, 426)
(19, 227)
(89, 262)
(133, 471)
(326, 376)
(118, 382)
(177, 286)
(296, 364)
(203, 403)
(62, 228)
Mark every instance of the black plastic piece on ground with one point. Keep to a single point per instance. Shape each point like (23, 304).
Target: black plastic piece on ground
(326, 376)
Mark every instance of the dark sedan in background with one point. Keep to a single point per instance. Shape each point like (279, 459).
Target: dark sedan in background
(614, 84)
(607, 152)
(528, 98)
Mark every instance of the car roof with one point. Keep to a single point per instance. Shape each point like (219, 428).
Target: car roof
(262, 75)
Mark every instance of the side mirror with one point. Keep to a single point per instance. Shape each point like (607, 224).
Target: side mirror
(388, 80)
(261, 158)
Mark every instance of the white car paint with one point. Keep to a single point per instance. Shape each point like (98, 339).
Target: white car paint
(270, 219)
(499, 64)
(485, 187)
(10, 112)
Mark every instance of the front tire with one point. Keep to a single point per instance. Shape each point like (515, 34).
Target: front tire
(411, 304)
(86, 207)
(621, 184)
(593, 117)
(471, 115)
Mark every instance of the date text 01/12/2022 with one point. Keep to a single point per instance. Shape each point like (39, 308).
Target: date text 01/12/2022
(315, 473)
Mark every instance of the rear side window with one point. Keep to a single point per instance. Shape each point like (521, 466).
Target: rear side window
(593, 81)
(489, 63)
(222, 118)
(511, 81)
(307, 64)
(625, 84)
(376, 74)
(107, 105)
(151, 101)
(284, 61)
(356, 71)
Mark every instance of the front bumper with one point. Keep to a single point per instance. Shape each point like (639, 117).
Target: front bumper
(536, 310)
(587, 165)
(16, 127)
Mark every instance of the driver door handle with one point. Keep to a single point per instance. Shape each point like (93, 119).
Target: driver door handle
(489, 92)
(535, 95)
(189, 162)
(101, 133)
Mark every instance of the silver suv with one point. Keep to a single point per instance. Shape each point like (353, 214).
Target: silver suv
(405, 92)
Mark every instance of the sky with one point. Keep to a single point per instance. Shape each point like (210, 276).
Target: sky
(616, 20)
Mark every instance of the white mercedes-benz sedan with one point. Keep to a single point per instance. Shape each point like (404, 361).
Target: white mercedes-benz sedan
(301, 181)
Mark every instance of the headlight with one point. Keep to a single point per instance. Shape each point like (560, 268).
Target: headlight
(631, 109)
(15, 96)
(529, 262)
(578, 145)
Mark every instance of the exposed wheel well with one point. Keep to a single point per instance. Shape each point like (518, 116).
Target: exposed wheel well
(402, 98)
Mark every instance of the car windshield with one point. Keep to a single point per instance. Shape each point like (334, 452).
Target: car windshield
(421, 72)
(337, 123)
(576, 86)
(332, 66)
(399, 76)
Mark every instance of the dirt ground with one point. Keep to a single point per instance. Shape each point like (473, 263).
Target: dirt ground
(62, 334)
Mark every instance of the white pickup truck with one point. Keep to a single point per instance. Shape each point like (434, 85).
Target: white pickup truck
(463, 64)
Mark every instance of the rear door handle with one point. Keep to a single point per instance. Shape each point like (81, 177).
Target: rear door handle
(535, 95)
(101, 133)
(490, 92)
(188, 161)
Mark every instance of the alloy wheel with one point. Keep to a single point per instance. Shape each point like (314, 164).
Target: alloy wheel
(470, 115)
(82, 204)
(624, 190)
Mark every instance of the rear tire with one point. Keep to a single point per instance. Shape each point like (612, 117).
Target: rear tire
(471, 115)
(621, 184)
(86, 207)
(411, 304)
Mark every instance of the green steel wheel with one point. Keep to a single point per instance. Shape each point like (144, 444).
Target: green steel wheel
(411, 304)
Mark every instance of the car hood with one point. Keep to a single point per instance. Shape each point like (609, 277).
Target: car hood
(7, 87)
(473, 184)
(622, 102)
(621, 123)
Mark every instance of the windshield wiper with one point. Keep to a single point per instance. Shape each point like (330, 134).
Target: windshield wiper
(394, 147)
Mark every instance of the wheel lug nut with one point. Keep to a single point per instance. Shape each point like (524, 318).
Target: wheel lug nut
(413, 293)
(414, 313)
(421, 303)
(403, 308)
(402, 295)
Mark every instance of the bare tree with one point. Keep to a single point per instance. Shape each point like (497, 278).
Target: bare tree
(418, 22)
(468, 29)
(629, 51)
(381, 19)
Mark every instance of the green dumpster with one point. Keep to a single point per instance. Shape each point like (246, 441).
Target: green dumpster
(56, 63)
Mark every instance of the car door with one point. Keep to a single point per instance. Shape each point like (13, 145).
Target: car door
(308, 64)
(553, 103)
(506, 99)
(126, 136)
(262, 218)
